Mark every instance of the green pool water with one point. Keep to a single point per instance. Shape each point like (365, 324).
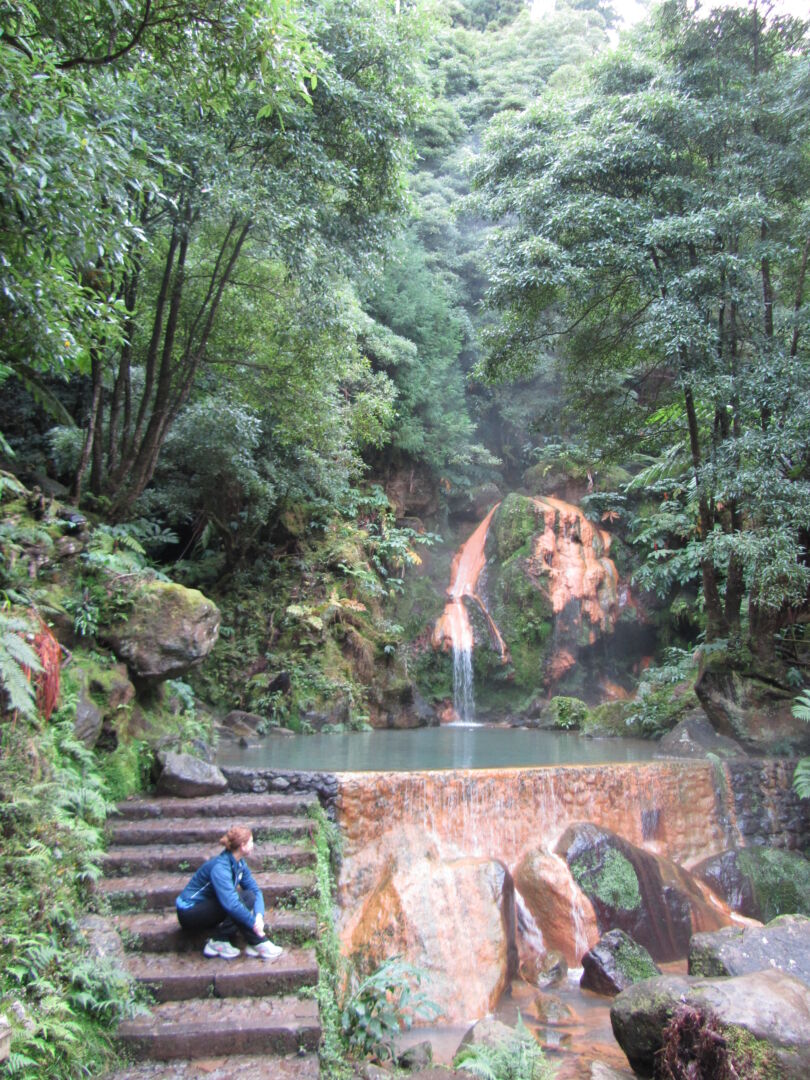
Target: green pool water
(476, 747)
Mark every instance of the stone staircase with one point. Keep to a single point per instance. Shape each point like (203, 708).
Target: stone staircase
(250, 1013)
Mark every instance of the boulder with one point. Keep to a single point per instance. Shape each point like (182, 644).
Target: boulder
(755, 710)
(614, 963)
(419, 1056)
(238, 722)
(783, 944)
(488, 1032)
(412, 900)
(657, 902)
(759, 882)
(554, 898)
(169, 631)
(694, 737)
(186, 776)
(765, 1015)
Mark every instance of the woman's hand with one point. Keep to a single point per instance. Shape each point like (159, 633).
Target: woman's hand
(258, 925)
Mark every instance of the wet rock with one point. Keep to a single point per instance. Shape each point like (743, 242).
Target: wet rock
(551, 895)
(600, 1071)
(768, 1011)
(694, 737)
(488, 1032)
(415, 1057)
(725, 877)
(783, 945)
(657, 902)
(553, 970)
(754, 710)
(614, 963)
(759, 882)
(89, 718)
(412, 492)
(549, 1009)
(413, 901)
(767, 811)
(186, 776)
(170, 630)
(238, 722)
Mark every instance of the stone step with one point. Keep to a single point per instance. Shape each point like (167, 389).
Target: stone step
(203, 829)
(185, 858)
(153, 892)
(230, 1067)
(160, 932)
(179, 978)
(219, 806)
(223, 1026)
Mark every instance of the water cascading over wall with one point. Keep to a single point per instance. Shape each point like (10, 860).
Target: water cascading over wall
(426, 854)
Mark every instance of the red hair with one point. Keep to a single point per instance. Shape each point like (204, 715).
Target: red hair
(236, 837)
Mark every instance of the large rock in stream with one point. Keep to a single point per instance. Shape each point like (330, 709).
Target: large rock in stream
(657, 902)
(614, 963)
(169, 631)
(446, 915)
(763, 1018)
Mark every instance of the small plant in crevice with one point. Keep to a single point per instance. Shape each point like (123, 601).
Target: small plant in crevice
(801, 775)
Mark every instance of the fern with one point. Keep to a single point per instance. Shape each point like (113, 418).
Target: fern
(17, 660)
(801, 776)
(519, 1058)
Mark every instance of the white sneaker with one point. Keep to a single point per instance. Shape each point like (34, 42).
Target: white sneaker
(220, 948)
(265, 950)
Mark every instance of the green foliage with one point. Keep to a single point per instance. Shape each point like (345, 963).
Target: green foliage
(780, 880)
(377, 1008)
(634, 961)
(639, 214)
(519, 1058)
(18, 661)
(330, 962)
(53, 804)
(568, 713)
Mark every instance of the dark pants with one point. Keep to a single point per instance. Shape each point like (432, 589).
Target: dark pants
(211, 915)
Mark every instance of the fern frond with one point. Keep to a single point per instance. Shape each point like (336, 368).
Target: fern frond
(801, 706)
(801, 779)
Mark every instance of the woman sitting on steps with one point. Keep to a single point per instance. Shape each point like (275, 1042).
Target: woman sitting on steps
(223, 897)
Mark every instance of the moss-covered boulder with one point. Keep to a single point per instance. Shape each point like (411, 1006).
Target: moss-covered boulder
(758, 1024)
(653, 899)
(614, 963)
(759, 882)
(170, 630)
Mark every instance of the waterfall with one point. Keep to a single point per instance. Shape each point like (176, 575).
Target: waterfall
(453, 629)
(463, 692)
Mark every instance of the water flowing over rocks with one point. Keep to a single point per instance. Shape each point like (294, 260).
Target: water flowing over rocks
(411, 898)
(652, 898)
(769, 1009)
(423, 858)
(560, 909)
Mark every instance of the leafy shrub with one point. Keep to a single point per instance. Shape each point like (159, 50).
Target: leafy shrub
(568, 713)
(382, 1005)
(518, 1059)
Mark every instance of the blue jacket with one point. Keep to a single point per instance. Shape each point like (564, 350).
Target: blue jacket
(218, 879)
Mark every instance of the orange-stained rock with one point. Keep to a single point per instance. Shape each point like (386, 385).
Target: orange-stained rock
(559, 907)
(441, 912)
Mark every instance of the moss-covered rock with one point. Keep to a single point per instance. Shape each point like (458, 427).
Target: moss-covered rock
(567, 713)
(171, 629)
(616, 962)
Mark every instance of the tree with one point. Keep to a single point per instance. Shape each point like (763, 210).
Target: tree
(655, 232)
